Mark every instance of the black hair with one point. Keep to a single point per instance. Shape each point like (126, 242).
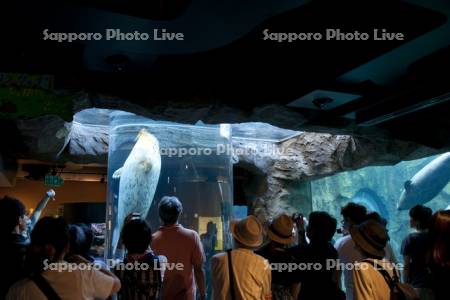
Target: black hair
(354, 212)
(11, 209)
(211, 225)
(89, 235)
(422, 215)
(373, 215)
(51, 231)
(169, 209)
(136, 236)
(80, 240)
(321, 226)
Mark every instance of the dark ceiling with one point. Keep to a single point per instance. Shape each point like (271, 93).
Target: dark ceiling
(226, 59)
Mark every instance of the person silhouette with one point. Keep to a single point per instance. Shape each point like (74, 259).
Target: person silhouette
(209, 241)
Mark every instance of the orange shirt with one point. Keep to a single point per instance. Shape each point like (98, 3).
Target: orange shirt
(181, 247)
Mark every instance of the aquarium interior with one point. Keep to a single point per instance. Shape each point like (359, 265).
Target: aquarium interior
(204, 183)
(201, 180)
(378, 188)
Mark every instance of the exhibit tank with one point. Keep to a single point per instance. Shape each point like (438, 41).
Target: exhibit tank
(380, 189)
(150, 159)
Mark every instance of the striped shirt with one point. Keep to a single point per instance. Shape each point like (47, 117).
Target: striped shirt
(143, 283)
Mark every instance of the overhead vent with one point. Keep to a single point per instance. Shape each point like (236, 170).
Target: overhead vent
(323, 100)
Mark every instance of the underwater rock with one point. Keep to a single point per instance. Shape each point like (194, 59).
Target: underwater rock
(372, 201)
(138, 179)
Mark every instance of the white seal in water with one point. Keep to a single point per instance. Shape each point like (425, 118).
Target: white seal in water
(427, 183)
(138, 180)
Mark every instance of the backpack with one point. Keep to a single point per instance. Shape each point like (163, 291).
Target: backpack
(399, 290)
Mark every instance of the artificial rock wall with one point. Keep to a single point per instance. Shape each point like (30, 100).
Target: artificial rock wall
(285, 165)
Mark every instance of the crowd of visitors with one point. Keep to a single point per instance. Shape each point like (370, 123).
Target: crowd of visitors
(48, 247)
(287, 259)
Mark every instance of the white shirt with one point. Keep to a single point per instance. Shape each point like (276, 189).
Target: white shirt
(252, 275)
(349, 254)
(74, 285)
(369, 283)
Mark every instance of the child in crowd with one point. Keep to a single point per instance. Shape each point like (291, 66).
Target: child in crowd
(143, 282)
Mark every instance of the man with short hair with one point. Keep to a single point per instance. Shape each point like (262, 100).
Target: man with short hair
(251, 274)
(352, 214)
(415, 249)
(180, 246)
(321, 283)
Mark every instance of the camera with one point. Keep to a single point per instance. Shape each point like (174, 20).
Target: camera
(296, 217)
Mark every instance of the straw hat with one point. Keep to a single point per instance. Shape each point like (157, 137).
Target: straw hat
(280, 230)
(247, 231)
(370, 236)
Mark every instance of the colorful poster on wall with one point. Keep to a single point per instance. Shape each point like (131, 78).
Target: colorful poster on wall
(29, 96)
(30, 81)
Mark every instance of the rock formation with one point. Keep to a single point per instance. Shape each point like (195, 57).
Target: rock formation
(305, 156)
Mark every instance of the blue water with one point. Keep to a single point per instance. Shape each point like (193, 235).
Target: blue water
(377, 188)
